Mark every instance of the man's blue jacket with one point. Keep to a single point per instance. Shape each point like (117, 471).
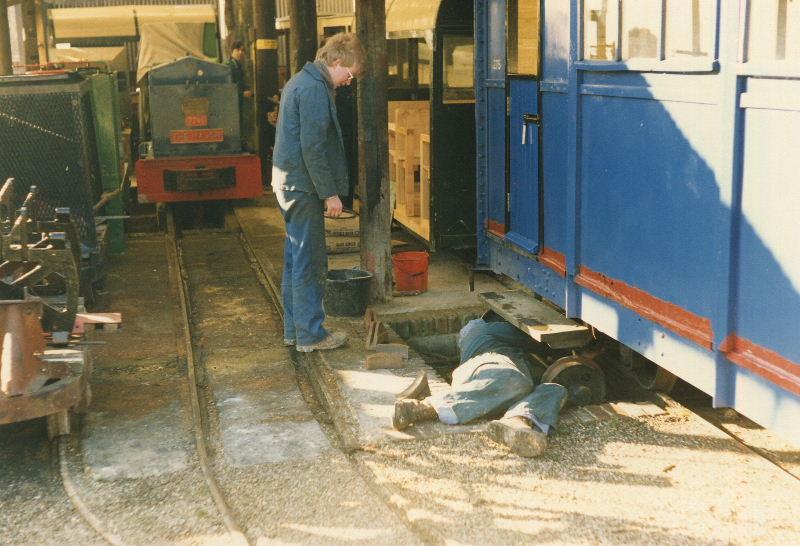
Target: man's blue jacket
(309, 153)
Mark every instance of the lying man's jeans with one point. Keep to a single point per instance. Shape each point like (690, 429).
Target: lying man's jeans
(491, 383)
(305, 265)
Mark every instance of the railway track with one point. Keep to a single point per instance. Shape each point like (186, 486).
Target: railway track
(238, 528)
(199, 417)
(197, 409)
(212, 270)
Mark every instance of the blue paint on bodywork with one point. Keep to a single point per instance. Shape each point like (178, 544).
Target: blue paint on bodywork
(664, 182)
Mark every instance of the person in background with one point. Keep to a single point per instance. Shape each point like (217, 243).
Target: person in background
(237, 73)
(309, 174)
(495, 377)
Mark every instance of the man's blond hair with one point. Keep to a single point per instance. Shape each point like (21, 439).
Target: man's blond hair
(344, 46)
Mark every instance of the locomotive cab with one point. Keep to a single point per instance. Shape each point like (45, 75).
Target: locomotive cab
(195, 148)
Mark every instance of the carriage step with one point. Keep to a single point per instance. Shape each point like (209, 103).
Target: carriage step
(537, 319)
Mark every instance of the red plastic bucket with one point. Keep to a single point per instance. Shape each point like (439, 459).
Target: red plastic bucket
(410, 271)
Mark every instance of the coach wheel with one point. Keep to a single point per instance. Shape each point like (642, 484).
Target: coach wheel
(583, 379)
(647, 374)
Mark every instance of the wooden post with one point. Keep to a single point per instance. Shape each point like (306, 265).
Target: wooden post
(303, 33)
(41, 31)
(373, 179)
(31, 55)
(239, 30)
(266, 78)
(5, 40)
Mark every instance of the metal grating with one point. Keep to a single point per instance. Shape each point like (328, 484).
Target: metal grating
(48, 141)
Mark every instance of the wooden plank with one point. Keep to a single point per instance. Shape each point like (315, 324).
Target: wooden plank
(537, 319)
(425, 176)
(381, 361)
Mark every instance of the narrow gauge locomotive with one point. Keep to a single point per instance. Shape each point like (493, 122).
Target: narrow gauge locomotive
(637, 167)
(195, 149)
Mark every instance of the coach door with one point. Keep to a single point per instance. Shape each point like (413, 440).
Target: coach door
(524, 123)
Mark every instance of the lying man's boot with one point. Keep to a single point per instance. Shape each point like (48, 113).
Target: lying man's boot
(408, 412)
(519, 434)
(333, 341)
(417, 390)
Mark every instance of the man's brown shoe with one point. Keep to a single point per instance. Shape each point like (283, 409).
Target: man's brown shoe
(520, 435)
(333, 341)
(418, 389)
(408, 412)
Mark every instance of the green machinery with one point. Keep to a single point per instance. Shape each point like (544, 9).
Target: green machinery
(108, 137)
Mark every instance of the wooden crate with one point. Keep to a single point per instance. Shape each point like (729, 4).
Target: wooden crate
(407, 121)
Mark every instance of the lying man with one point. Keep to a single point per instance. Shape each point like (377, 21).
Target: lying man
(494, 377)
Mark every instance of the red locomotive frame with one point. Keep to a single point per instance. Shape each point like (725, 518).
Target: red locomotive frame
(201, 178)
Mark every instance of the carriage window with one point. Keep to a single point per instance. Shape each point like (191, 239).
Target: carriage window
(522, 26)
(459, 73)
(423, 63)
(600, 29)
(690, 29)
(398, 62)
(649, 30)
(774, 30)
(641, 29)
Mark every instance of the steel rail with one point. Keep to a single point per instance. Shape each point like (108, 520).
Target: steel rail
(274, 294)
(72, 493)
(175, 255)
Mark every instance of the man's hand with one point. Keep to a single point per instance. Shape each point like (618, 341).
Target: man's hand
(333, 206)
(247, 94)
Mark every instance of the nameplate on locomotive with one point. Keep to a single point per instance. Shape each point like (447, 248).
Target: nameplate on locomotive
(194, 136)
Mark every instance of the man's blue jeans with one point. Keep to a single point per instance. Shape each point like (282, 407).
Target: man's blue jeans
(305, 265)
(489, 383)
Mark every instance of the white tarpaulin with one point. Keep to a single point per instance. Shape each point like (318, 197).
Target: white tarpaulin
(164, 42)
(115, 58)
(114, 21)
(411, 18)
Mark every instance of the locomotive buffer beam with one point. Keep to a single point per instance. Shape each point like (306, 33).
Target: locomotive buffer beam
(537, 319)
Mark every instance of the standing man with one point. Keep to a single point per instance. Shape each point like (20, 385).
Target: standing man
(309, 173)
(237, 73)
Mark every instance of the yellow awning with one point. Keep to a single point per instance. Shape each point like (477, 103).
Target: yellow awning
(411, 18)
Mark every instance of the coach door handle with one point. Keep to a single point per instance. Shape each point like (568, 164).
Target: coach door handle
(536, 119)
(528, 119)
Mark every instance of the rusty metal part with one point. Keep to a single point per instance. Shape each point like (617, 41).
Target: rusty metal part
(39, 258)
(34, 381)
(21, 370)
(62, 394)
(583, 379)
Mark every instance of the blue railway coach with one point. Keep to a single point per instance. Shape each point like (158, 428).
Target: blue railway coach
(637, 165)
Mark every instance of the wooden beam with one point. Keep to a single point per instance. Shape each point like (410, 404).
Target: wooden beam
(266, 77)
(31, 55)
(5, 40)
(41, 32)
(303, 33)
(373, 179)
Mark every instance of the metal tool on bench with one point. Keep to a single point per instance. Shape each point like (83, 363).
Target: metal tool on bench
(39, 258)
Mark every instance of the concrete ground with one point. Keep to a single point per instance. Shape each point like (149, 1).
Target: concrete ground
(641, 475)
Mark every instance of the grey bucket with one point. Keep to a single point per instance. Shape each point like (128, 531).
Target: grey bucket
(347, 292)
